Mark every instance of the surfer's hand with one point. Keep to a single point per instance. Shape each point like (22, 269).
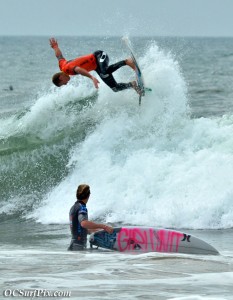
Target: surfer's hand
(96, 82)
(53, 43)
(107, 228)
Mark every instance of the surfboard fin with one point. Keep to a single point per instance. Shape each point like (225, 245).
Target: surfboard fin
(140, 100)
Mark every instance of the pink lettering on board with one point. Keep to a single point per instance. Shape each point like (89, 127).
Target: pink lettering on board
(130, 239)
(168, 241)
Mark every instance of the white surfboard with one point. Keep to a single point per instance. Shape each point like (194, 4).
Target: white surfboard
(139, 76)
(149, 239)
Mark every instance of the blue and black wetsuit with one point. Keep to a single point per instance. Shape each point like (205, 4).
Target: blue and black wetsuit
(78, 213)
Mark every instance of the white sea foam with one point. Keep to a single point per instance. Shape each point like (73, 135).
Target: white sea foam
(49, 114)
(151, 165)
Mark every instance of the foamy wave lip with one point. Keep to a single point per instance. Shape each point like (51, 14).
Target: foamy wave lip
(50, 113)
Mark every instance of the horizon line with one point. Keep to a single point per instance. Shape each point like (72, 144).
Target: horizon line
(117, 36)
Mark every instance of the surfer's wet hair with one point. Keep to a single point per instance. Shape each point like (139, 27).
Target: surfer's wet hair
(83, 192)
(55, 79)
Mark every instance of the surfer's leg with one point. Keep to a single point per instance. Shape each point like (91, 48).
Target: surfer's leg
(105, 71)
(76, 247)
(127, 62)
(137, 89)
(111, 82)
(122, 86)
(112, 68)
(116, 87)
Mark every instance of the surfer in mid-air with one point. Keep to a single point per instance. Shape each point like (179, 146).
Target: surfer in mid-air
(97, 61)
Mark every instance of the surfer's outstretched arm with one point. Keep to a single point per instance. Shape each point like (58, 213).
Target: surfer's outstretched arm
(54, 45)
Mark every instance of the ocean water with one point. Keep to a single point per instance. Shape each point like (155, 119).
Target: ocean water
(168, 163)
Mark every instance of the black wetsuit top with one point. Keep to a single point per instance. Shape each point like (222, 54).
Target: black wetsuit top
(78, 213)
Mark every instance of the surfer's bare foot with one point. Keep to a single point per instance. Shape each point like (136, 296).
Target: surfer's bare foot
(137, 89)
(129, 62)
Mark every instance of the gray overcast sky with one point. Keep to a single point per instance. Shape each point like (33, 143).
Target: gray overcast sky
(117, 17)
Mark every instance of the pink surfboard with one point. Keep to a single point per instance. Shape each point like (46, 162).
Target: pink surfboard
(149, 239)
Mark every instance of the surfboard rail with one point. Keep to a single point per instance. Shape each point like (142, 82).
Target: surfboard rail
(139, 76)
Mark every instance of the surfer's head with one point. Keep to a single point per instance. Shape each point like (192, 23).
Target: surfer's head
(60, 79)
(83, 192)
